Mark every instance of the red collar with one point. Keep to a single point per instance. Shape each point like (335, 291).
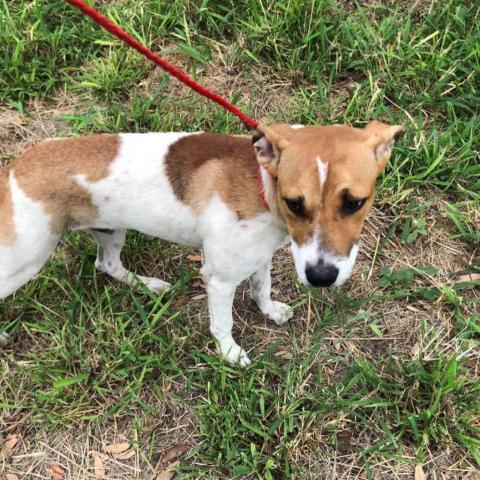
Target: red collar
(261, 189)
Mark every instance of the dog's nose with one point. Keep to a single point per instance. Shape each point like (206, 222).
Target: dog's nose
(321, 275)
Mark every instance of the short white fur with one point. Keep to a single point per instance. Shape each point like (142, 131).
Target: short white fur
(322, 171)
(34, 242)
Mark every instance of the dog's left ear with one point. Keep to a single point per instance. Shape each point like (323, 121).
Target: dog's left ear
(268, 145)
(382, 138)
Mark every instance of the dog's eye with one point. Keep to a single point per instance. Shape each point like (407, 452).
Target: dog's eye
(295, 205)
(352, 205)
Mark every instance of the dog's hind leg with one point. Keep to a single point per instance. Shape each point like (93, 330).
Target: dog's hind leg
(33, 244)
(260, 291)
(110, 243)
(10, 283)
(24, 259)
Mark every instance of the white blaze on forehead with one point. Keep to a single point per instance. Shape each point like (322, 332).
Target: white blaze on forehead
(322, 171)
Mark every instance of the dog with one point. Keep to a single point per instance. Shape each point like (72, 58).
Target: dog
(311, 185)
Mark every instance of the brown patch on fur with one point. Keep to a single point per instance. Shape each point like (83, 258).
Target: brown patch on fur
(200, 165)
(46, 174)
(7, 227)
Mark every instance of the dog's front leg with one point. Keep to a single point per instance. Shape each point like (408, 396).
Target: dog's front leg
(260, 290)
(220, 302)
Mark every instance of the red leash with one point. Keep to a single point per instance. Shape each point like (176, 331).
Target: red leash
(116, 30)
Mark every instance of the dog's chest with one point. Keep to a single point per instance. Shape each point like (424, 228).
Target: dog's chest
(238, 247)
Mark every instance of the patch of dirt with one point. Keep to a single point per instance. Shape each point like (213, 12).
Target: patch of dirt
(44, 120)
(222, 75)
(73, 447)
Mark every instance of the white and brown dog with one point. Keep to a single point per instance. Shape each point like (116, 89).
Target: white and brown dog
(200, 189)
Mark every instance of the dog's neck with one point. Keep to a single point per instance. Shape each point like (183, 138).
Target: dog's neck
(269, 186)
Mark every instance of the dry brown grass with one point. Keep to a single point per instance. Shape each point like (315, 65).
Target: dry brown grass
(44, 120)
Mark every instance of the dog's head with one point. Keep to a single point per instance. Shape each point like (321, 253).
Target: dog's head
(324, 185)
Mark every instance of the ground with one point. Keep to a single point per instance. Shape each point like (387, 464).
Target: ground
(378, 379)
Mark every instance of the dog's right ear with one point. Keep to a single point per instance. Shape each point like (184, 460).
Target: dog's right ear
(381, 139)
(268, 146)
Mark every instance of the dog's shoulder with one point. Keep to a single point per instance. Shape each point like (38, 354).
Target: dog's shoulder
(201, 165)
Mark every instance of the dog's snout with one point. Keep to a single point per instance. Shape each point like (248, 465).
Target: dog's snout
(321, 275)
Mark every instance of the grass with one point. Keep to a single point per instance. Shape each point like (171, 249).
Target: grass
(367, 381)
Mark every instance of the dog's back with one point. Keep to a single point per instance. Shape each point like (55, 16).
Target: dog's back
(47, 174)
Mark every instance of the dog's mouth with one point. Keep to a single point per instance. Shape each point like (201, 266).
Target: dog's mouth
(320, 268)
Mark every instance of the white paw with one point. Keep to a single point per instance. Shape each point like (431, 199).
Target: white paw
(155, 284)
(279, 312)
(235, 355)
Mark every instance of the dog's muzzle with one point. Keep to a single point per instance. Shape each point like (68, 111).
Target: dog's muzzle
(318, 268)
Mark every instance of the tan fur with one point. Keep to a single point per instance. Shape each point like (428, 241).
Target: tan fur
(354, 157)
(7, 227)
(200, 165)
(46, 174)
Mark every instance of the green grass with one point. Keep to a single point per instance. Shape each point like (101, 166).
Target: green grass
(374, 378)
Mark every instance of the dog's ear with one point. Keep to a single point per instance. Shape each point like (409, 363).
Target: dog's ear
(381, 138)
(268, 145)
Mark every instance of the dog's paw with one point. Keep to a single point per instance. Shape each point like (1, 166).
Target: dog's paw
(155, 285)
(279, 312)
(235, 355)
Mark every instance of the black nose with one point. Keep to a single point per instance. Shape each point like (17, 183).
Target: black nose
(321, 275)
